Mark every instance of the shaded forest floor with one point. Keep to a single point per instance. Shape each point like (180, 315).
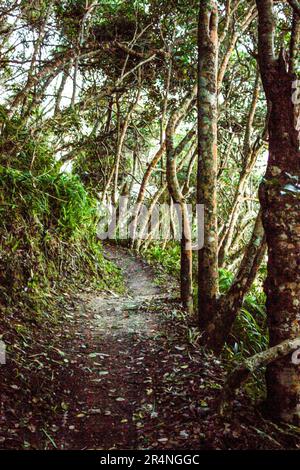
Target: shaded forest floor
(124, 372)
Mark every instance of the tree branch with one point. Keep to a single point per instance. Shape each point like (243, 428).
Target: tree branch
(242, 371)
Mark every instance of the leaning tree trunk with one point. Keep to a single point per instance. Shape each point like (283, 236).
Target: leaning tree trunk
(207, 158)
(175, 119)
(229, 305)
(157, 197)
(250, 154)
(279, 195)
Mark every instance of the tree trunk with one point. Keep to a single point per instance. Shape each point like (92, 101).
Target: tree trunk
(250, 154)
(207, 158)
(229, 305)
(174, 121)
(186, 276)
(279, 195)
(156, 198)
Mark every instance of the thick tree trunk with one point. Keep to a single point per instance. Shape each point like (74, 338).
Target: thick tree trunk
(207, 158)
(280, 201)
(279, 195)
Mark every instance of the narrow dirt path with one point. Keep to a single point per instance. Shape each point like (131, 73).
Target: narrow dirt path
(115, 331)
(122, 372)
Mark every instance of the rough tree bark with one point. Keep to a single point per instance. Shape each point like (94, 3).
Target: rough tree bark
(207, 157)
(279, 195)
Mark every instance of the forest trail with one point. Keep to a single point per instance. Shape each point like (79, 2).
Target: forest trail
(123, 372)
(116, 330)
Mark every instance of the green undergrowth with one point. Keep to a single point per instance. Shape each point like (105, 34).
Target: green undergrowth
(48, 245)
(249, 333)
(48, 237)
(168, 258)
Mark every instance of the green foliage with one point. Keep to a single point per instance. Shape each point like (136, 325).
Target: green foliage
(48, 230)
(168, 258)
(90, 166)
(22, 149)
(225, 280)
(52, 201)
(249, 333)
(34, 11)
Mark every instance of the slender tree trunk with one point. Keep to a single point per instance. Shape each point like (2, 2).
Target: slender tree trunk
(175, 119)
(250, 154)
(140, 199)
(61, 87)
(250, 16)
(121, 138)
(186, 262)
(208, 158)
(58, 61)
(159, 193)
(186, 276)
